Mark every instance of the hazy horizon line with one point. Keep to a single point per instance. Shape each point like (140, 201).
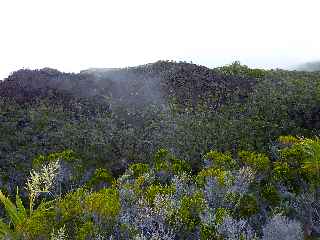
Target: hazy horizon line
(289, 67)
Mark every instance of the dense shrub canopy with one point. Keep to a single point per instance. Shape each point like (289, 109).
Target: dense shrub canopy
(252, 198)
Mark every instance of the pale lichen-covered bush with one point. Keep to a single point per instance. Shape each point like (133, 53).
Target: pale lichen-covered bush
(214, 193)
(280, 227)
(148, 222)
(183, 185)
(233, 229)
(243, 178)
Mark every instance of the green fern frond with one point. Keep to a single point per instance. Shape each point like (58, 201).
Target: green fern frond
(20, 208)
(11, 209)
(4, 229)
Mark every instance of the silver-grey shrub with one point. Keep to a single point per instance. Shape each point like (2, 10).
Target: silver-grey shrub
(280, 227)
(232, 229)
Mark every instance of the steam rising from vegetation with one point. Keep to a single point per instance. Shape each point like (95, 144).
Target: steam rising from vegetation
(310, 67)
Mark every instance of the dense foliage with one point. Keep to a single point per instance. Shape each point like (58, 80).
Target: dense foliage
(226, 174)
(243, 197)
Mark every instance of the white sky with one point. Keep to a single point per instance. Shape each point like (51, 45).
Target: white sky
(71, 35)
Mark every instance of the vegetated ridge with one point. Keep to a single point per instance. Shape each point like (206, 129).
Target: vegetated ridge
(151, 130)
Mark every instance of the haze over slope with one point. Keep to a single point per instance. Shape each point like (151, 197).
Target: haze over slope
(310, 66)
(157, 82)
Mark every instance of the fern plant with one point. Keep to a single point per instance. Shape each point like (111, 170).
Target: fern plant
(19, 219)
(16, 213)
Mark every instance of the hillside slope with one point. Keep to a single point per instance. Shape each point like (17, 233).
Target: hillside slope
(113, 117)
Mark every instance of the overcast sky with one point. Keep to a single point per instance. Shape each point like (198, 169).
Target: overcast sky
(71, 35)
